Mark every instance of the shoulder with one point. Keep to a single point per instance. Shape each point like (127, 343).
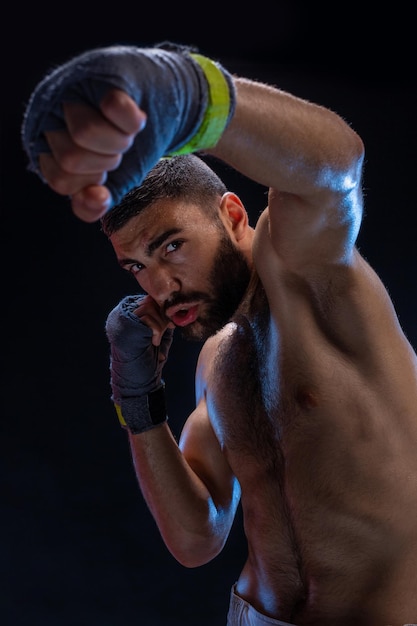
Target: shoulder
(208, 356)
(198, 432)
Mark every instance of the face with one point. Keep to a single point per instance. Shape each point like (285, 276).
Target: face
(187, 263)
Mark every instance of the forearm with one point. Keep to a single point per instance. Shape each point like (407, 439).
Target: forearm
(193, 529)
(183, 507)
(287, 143)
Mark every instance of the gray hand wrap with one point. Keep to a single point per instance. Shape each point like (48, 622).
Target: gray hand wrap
(136, 370)
(172, 86)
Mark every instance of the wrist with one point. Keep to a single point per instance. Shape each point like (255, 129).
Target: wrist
(219, 110)
(141, 413)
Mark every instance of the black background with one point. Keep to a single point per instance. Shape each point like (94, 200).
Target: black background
(78, 545)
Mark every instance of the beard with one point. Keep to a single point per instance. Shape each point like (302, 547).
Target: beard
(228, 279)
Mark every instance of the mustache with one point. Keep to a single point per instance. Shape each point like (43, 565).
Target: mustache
(184, 299)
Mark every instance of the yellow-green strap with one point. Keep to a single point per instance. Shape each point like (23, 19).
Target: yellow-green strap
(217, 112)
(119, 415)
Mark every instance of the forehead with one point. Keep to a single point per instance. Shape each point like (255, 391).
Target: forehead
(162, 216)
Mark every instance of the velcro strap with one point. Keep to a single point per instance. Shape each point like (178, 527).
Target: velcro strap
(142, 413)
(217, 113)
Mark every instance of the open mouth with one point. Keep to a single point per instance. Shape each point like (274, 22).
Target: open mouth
(183, 316)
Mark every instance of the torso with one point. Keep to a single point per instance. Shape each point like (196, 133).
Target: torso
(319, 425)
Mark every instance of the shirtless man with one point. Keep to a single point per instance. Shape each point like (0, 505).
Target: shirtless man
(306, 387)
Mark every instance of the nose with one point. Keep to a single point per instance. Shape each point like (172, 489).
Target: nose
(160, 283)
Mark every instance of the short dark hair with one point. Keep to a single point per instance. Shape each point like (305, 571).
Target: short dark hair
(186, 177)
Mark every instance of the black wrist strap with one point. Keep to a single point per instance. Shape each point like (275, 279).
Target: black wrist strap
(142, 413)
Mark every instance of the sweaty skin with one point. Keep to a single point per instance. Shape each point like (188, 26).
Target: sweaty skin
(325, 422)
(309, 392)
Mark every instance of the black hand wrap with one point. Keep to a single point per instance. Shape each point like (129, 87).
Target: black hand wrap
(136, 369)
(189, 100)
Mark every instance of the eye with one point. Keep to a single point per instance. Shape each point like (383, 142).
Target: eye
(172, 246)
(134, 269)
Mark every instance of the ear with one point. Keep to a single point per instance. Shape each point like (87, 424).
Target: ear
(234, 215)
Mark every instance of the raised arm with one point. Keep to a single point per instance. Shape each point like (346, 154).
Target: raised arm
(101, 121)
(290, 144)
(310, 159)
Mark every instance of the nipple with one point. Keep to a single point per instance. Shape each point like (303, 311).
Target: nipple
(307, 399)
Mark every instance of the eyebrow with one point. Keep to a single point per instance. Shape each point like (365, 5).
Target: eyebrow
(152, 245)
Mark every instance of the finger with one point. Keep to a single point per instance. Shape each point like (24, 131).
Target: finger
(90, 204)
(91, 130)
(75, 159)
(147, 306)
(150, 314)
(157, 331)
(123, 112)
(153, 321)
(63, 183)
(158, 340)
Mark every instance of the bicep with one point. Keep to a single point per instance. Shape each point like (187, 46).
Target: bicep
(305, 231)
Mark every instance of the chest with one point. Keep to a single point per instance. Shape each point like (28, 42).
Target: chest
(272, 394)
